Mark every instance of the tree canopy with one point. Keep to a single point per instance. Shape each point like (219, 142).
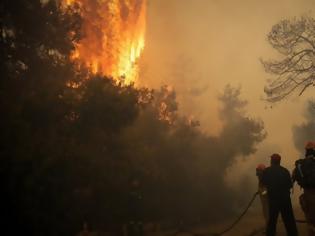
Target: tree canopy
(67, 152)
(294, 71)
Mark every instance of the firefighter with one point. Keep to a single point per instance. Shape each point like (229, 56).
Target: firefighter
(135, 208)
(277, 180)
(262, 191)
(304, 174)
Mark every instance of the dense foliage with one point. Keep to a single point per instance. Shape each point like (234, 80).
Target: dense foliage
(70, 141)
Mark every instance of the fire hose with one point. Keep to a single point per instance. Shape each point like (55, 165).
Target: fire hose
(229, 228)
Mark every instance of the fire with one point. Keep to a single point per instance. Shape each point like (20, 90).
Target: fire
(113, 37)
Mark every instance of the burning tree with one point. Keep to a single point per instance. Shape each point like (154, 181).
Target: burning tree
(113, 37)
(66, 152)
(294, 39)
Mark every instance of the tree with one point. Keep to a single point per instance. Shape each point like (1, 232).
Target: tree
(67, 152)
(36, 40)
(294, 72)
(58, 143)
(306, 129)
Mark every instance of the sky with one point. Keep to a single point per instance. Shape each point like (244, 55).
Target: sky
(200, 46)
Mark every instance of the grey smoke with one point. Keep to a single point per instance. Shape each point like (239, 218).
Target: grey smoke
(306, 130)
(185, 167)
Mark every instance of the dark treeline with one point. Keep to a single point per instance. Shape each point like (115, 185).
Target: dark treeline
(67, 152)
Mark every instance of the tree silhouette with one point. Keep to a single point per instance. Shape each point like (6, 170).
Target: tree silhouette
(67, 152)
(36, 40)
(294, 39)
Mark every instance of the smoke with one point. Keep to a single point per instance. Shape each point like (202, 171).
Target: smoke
(184, 168)
(305, 131)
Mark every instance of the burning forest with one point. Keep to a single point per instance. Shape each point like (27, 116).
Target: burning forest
(95, 156)
(113, 37)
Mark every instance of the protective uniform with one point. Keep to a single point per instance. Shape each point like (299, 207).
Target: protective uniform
(262, 191)
(304, 174)
(278, 182)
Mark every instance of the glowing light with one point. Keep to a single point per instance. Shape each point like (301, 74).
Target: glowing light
(113, 37)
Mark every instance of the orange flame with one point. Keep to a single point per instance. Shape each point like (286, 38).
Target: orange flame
(113, 37)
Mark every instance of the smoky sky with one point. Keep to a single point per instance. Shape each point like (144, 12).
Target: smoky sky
(199, 46)
(192, 45)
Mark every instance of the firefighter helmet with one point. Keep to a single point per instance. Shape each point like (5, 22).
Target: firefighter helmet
(275, 157)
(261, 167)
(310, 145)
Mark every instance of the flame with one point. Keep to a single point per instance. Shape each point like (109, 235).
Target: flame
(113, 37)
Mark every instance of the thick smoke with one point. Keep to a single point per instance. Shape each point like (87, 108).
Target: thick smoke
(306, 130)
(184, 168)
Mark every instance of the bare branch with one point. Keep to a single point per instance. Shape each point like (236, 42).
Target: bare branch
(294, 39)
(305, 87)
(308, 41)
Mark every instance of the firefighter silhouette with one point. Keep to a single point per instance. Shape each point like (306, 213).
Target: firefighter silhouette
(262, 191)
(304, 174)
(277, 180)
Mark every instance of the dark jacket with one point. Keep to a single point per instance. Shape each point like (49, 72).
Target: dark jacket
(277, 180)
(304, 172)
